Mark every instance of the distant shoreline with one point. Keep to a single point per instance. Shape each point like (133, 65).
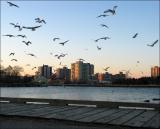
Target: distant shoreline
(20, 85)
(108, 85)
(76, 85)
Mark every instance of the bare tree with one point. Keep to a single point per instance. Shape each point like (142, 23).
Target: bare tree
(13, 71)
(17, 70)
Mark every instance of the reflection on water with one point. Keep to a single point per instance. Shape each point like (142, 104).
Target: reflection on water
(84, 93)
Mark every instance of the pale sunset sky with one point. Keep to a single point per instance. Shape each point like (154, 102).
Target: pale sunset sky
(77, 22)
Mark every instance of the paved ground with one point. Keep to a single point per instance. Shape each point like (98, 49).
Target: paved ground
(14, 122)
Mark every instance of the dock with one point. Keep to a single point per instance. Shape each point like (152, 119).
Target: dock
(124, 114)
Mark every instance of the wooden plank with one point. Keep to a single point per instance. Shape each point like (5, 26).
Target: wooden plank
(64, 114)
(100, 115)
(70, 113)
(42, 111)
(126, 117)
(14, 112)
(85, 114)
(60, 110)
(79, 111)
(8, 105)
(141, 119)
(82, 111)
(113, 116)
(14, 105)
(22, 105)
(12, 109)
(22, 112)
(153, 123)
(22, 109)
(9, 108)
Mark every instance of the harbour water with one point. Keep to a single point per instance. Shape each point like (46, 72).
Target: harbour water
(116, 94)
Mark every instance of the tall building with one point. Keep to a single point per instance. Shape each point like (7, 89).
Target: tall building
(45, 71)
(91, 69)
(104, 77)
(81, 71)
(155, 71)
(63, 73)
(100, 77)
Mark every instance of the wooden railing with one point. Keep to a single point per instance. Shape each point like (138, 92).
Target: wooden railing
(62, 102)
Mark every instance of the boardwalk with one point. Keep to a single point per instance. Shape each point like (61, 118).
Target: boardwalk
(97, 115)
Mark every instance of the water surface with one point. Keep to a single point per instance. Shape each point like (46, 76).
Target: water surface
(123, 94)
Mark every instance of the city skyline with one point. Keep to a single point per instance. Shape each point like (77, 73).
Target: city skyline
(77, 22)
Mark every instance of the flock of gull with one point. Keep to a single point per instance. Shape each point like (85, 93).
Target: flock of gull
(111, 12)
(106, 13)
(27, 43)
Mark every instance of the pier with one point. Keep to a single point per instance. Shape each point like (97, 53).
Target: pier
(120, 114)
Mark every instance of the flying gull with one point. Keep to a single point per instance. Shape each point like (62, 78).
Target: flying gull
(17, 26)
(12, 53)
(152, 45)
(9, 35)
(112, 11)
(56, 55)
(54, 39)
(11, 4)
(102, 15)
(30, 54)
(103, 25)
(38, 20)
(106, 69)
(31, 28)
(99, 48)
(62, 43)
(105, 38)
(135, 35)
(23, 36)
(96, 40)
(14, 60)
(80, 59)
(34, 68)
(27, 43)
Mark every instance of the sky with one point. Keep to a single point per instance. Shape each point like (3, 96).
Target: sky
(77, 22)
